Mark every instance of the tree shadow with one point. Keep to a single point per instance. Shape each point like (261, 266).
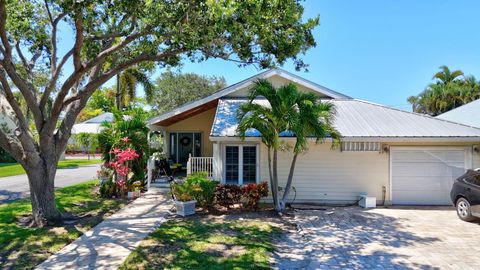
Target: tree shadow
(8, 195)
(351, 238)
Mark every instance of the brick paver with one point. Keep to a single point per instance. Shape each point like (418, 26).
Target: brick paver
(381, 238)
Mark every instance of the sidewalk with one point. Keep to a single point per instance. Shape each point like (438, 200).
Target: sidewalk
(109, 243)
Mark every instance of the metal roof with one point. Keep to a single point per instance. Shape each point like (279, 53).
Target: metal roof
(104, 117)
(360, 119)
(468, 114)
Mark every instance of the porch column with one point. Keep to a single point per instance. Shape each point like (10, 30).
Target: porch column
(166, 144)
(217, 162)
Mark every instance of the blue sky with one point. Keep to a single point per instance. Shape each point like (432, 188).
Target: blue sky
(377, 50)
(380, 50)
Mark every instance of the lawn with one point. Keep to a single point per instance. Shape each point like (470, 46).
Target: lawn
(23, 248)
(206, 244)
(9, 169)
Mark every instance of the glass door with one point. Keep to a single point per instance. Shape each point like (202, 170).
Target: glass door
(184, 144)
(240, 164)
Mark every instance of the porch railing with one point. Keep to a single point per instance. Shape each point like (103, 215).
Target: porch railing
(200, 164)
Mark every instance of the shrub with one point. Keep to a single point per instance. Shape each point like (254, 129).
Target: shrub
(204, 191)
(228, 195)
(108, 188)
(252, 193)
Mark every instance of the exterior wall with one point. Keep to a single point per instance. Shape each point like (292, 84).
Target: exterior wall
(201, 122)
(330, 176)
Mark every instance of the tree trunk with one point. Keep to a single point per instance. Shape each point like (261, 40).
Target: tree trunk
(118, 96)
(274, 194)
(283, 202)
(275, 178)
(41, 178)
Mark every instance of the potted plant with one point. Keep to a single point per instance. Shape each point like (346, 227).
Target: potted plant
(137, 185)
(184, 201)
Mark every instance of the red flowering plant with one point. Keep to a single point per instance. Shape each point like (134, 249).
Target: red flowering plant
(121, 163)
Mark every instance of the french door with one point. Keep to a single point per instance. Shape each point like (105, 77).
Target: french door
(241, 164)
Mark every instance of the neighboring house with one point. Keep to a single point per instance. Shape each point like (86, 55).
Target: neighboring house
(92, 125)
(397, 156)
(468, 114)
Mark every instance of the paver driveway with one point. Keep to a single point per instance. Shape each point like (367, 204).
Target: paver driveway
(381, 238)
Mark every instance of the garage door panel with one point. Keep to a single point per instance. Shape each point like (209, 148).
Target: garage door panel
(425, 176)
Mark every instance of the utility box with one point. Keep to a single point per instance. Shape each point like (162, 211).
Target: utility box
(367, 201)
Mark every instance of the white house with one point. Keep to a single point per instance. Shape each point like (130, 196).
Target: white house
(397, 156)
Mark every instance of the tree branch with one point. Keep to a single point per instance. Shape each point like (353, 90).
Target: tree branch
(53, 80)
(77, 47)
(3, 31)
(53, 41)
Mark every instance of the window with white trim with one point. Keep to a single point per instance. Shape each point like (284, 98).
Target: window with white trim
(241, 164)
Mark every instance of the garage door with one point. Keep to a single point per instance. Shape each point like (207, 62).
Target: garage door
(425, 176)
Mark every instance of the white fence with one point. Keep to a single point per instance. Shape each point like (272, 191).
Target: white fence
(200, 164)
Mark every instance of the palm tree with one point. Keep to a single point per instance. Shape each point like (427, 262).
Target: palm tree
(445, 75)
(301, 115)
(127, 82)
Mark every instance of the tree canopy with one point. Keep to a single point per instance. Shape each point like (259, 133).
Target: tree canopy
(110, 37)
(450, 90)
(174, 89)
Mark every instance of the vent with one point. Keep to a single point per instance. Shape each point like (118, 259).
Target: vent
(361, 146)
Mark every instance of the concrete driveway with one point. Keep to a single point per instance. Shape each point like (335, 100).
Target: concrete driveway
(16, 187)
(381, 238)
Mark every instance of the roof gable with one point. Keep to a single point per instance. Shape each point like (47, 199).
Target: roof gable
(468, 114)
(239, 90)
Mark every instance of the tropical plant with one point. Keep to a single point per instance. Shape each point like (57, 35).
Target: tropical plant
(109, 37)
(88, 141)
(252, 193)
(127, 124)
(127, 82)
(183, 192)
(228, 195)
(290, 112)
(449, 91)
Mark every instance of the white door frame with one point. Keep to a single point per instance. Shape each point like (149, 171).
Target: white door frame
(467, 161)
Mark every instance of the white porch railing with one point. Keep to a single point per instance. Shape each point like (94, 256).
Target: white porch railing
(200, 164)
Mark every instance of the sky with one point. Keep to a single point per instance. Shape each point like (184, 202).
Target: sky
(382, 51)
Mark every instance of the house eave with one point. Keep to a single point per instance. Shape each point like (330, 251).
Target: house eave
(472, 139)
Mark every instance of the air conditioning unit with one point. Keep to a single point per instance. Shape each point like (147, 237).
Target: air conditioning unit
(367, 201)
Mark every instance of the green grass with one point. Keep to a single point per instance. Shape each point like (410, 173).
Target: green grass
(9, 169)
(23, 248)
(208, 244)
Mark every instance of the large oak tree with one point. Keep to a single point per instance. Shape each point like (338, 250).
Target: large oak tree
(108, 37)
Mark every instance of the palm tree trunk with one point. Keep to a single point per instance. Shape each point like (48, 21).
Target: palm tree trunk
(275, 179)
(274, 194)
(118, 96)
(283, 202)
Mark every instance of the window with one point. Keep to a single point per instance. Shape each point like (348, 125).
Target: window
(240, 164)
(474, 179)
(231, 165)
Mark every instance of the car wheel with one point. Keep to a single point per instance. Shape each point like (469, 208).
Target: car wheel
(463, 210)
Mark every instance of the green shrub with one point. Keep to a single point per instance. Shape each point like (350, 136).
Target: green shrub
(108, 188)
(204, 191)
(184, 191)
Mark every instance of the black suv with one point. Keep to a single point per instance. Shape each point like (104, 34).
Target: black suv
(465, 195)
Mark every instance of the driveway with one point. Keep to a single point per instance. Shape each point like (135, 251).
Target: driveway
(381, 238)
(16, 187)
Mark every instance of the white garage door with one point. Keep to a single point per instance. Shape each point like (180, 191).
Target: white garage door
(424, 176)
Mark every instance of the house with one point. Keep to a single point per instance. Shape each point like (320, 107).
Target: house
(397, 156)
(92, 125)
(468, 114)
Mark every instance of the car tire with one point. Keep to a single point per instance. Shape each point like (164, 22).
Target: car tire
(464, 211)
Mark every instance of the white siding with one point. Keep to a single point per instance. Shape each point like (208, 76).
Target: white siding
(331, 176)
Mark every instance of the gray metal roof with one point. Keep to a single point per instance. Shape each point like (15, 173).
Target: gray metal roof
(468, 114)
(357, 118)
(104, 117)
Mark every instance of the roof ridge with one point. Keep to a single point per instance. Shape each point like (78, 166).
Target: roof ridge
(414, 113)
